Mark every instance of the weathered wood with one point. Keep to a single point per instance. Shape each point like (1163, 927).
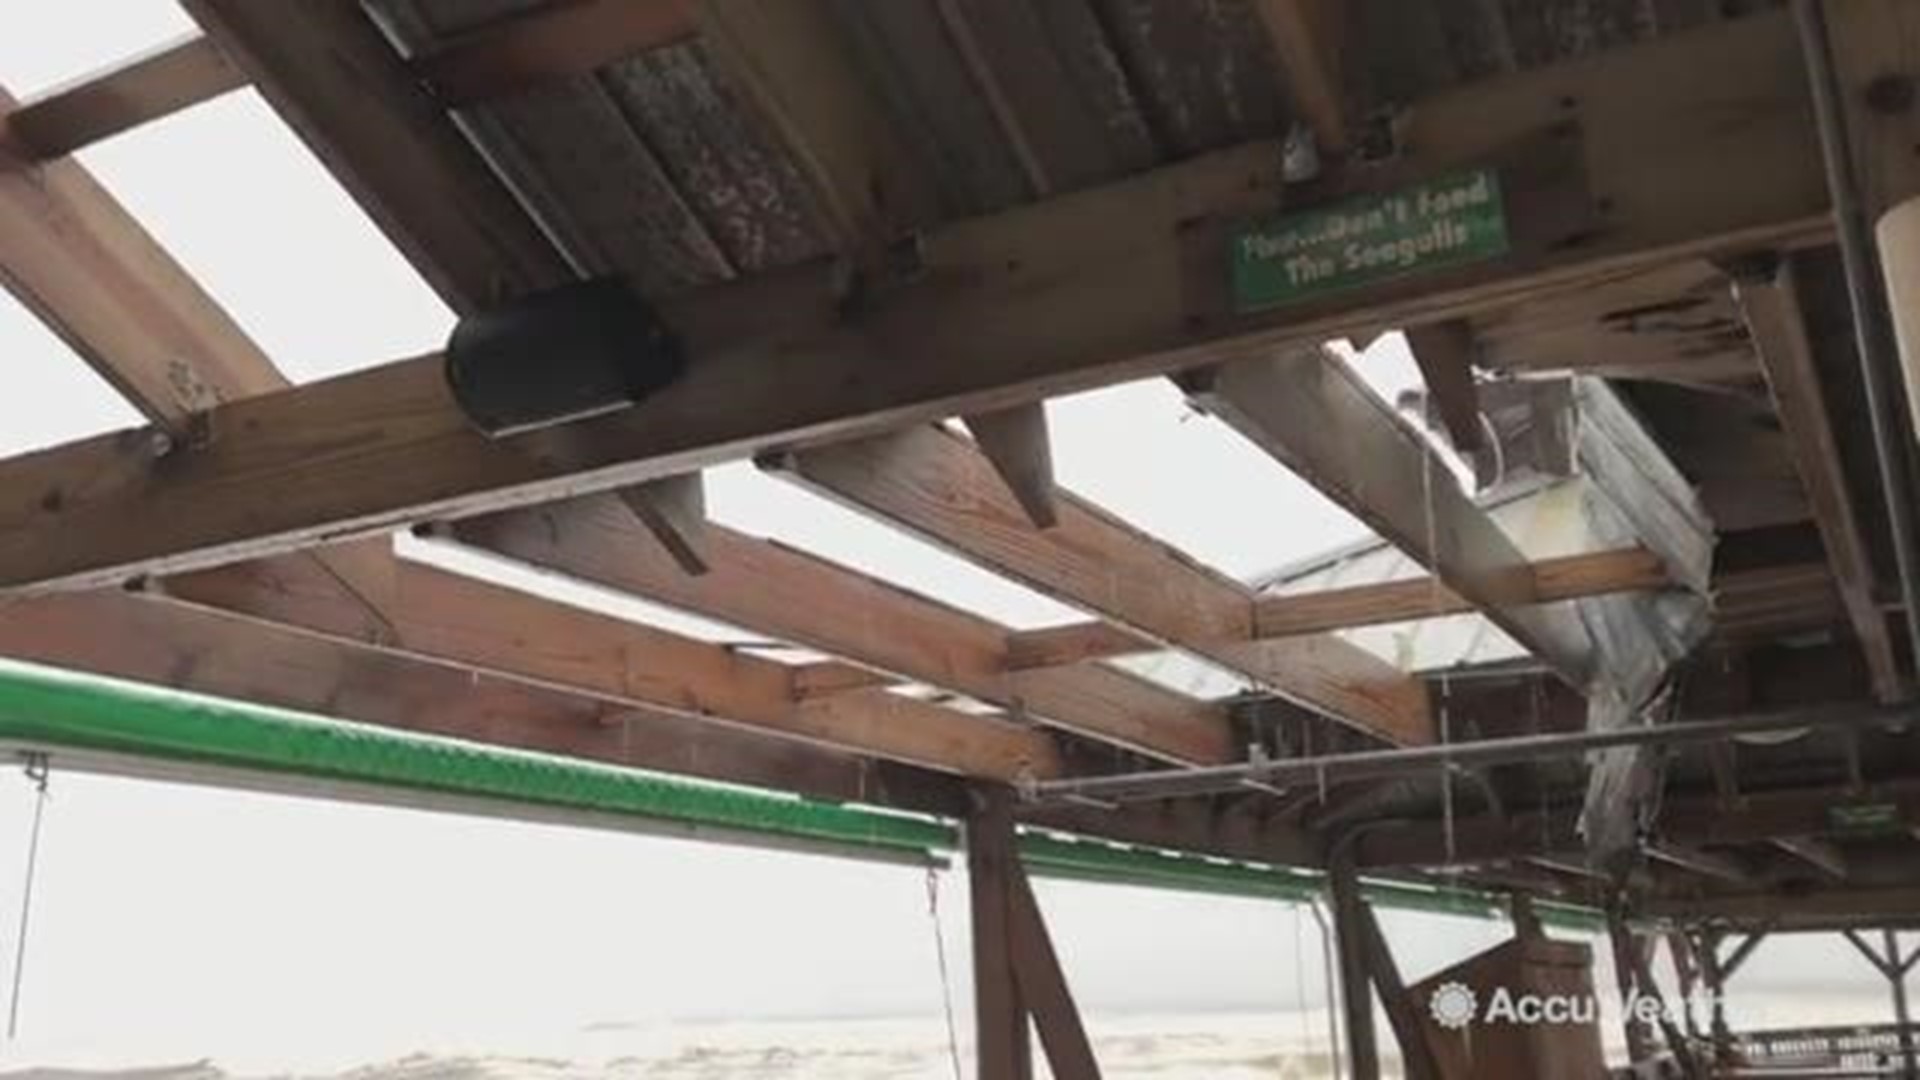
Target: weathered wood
(1015, 440)
(1356, 989)
(334, 79)
(102, 104)
(1566, 577)
(130, 637)
(1770, 304)
(790, 62)
(1706, 863)
(1444, 353)
(1002, 1042)
(937, 485)
(1822, 855)
(1043, 985)
(1123, 296)
(674, 510)
(1406, 1016)
(793, 597)
(1308, 37)
(502, 632)
(541, 44)
(1310, 411)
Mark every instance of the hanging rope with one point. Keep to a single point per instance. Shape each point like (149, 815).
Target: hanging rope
(37, 771)
(946, 981)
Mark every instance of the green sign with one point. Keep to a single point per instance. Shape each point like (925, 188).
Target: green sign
(1445, 222)
(1865, 818)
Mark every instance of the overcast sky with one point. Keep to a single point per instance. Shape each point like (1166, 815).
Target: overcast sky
(177, 923)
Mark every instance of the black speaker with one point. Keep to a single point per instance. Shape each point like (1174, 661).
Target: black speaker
(565, 354)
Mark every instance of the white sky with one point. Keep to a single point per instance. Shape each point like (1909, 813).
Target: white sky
(178, 923)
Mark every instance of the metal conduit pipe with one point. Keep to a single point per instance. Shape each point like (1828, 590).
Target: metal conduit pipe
(1867, 298)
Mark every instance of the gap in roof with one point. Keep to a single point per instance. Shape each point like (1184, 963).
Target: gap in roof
(1140, 451)
(240, 202)
(52, 395)
(67, 40)
(742, 497)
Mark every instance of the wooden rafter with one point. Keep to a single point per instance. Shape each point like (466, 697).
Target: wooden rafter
(1769, 302)
(769, 589)
(1311, 412)
(1444, 353)
(334, 78)
(1567, 577)
(1309, 38)
(138, 91)
(364, 452)
(940, 486)
(518, 52)
(674, 510)
(209, 652)
(506, 633)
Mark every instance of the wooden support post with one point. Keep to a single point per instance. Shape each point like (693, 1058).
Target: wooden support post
(1688, 976)
(1897, 978)
(1417, 1060)
(1002, 1048)
(1043, 985)
(1628, 958)
(1713, 977)
(1349, 934)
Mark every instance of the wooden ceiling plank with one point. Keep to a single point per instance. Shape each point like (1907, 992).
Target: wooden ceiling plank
(1309, 38)
(1074, 292)
(542, 44)
(1444, 352)
(505, 633)
(770, 589)
(337, 81)
(939, 486)
(1769, 303)
(790, 62)
(1311, 412)
(224, 655)
(158, 83)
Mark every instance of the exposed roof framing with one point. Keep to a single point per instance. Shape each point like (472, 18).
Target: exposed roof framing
(1119, 304)
(143, 89)
(252, 516)
(940, 486)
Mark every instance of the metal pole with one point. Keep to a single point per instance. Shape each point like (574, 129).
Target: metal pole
(1867, 298)
(1400, 761)
(1897, 976)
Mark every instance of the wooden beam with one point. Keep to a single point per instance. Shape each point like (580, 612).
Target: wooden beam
(939, 486)
(140, 90)
(1015, 440)
(1705, 863)
(1822, 855)
(1407, 1017)
(1043, 985)
(71, 254)
(522, 50)
(1276, 615)
(1770, 305)
(790, 63)
(129, 637)
(1311, 412)
(505, 633)
(674, 510)
(1349, 911)
(1003, 1044)
(1128, 292)
(335, 79)
(774, 590)
(1309, 38)
(1444, 353)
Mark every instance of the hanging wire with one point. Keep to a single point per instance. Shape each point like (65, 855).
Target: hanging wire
(946, 980)
(37, 770)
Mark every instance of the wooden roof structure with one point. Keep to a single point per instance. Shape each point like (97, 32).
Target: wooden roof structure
(864, 218)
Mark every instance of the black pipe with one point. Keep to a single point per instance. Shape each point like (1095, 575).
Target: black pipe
(1867, 296)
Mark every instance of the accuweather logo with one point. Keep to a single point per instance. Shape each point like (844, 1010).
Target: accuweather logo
(1454, 1005)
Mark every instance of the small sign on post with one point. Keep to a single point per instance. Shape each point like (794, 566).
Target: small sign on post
(1448, 221)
